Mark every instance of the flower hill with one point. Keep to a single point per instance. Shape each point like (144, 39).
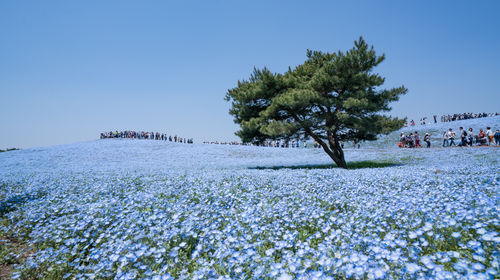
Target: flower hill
(134, 209)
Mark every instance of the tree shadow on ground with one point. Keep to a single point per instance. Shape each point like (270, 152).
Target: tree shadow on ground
(350, 165)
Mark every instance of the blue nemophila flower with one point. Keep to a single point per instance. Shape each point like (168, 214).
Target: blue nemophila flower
(285, 276)
(412, 267)
(378, 273)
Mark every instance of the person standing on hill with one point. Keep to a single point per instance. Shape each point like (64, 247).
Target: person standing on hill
(410, 140)
(417, 140)
(481, 138)
(470, 136)
(497, 137)
(463, 137)
(427, 140)
(490, 135)
(451, 137)
(445, 139)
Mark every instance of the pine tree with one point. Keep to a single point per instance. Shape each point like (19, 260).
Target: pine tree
(331, 97)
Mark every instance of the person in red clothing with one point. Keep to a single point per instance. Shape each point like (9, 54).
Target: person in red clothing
(417, 140)
(481, 137)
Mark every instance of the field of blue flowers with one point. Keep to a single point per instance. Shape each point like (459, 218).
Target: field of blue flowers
(136, 209)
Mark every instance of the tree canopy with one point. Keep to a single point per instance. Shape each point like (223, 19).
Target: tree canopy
(331, 97)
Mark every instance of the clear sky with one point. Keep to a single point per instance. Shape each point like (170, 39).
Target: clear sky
(72, 69)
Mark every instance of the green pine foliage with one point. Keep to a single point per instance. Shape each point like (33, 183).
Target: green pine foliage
(331, 97)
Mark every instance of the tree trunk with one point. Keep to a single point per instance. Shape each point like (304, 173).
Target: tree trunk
(337, 157)
(334, 151)
(335, 146)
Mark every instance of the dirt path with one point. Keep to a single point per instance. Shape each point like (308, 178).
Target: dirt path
(12, 252)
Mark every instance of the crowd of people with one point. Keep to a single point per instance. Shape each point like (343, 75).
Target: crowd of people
(451, 118)
(466, 116)
(462, 138)
(282, 144)
(275, 144)
(412, 140)
(470, 138)
(8, 150)
(145, 135)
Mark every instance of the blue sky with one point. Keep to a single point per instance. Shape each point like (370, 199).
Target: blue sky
(72, 69)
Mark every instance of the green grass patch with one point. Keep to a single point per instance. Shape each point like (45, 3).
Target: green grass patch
(350, 165)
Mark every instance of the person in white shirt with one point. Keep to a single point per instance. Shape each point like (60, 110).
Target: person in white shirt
(445, 139)
(490, 135)
(470, 136)
(451, 137)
